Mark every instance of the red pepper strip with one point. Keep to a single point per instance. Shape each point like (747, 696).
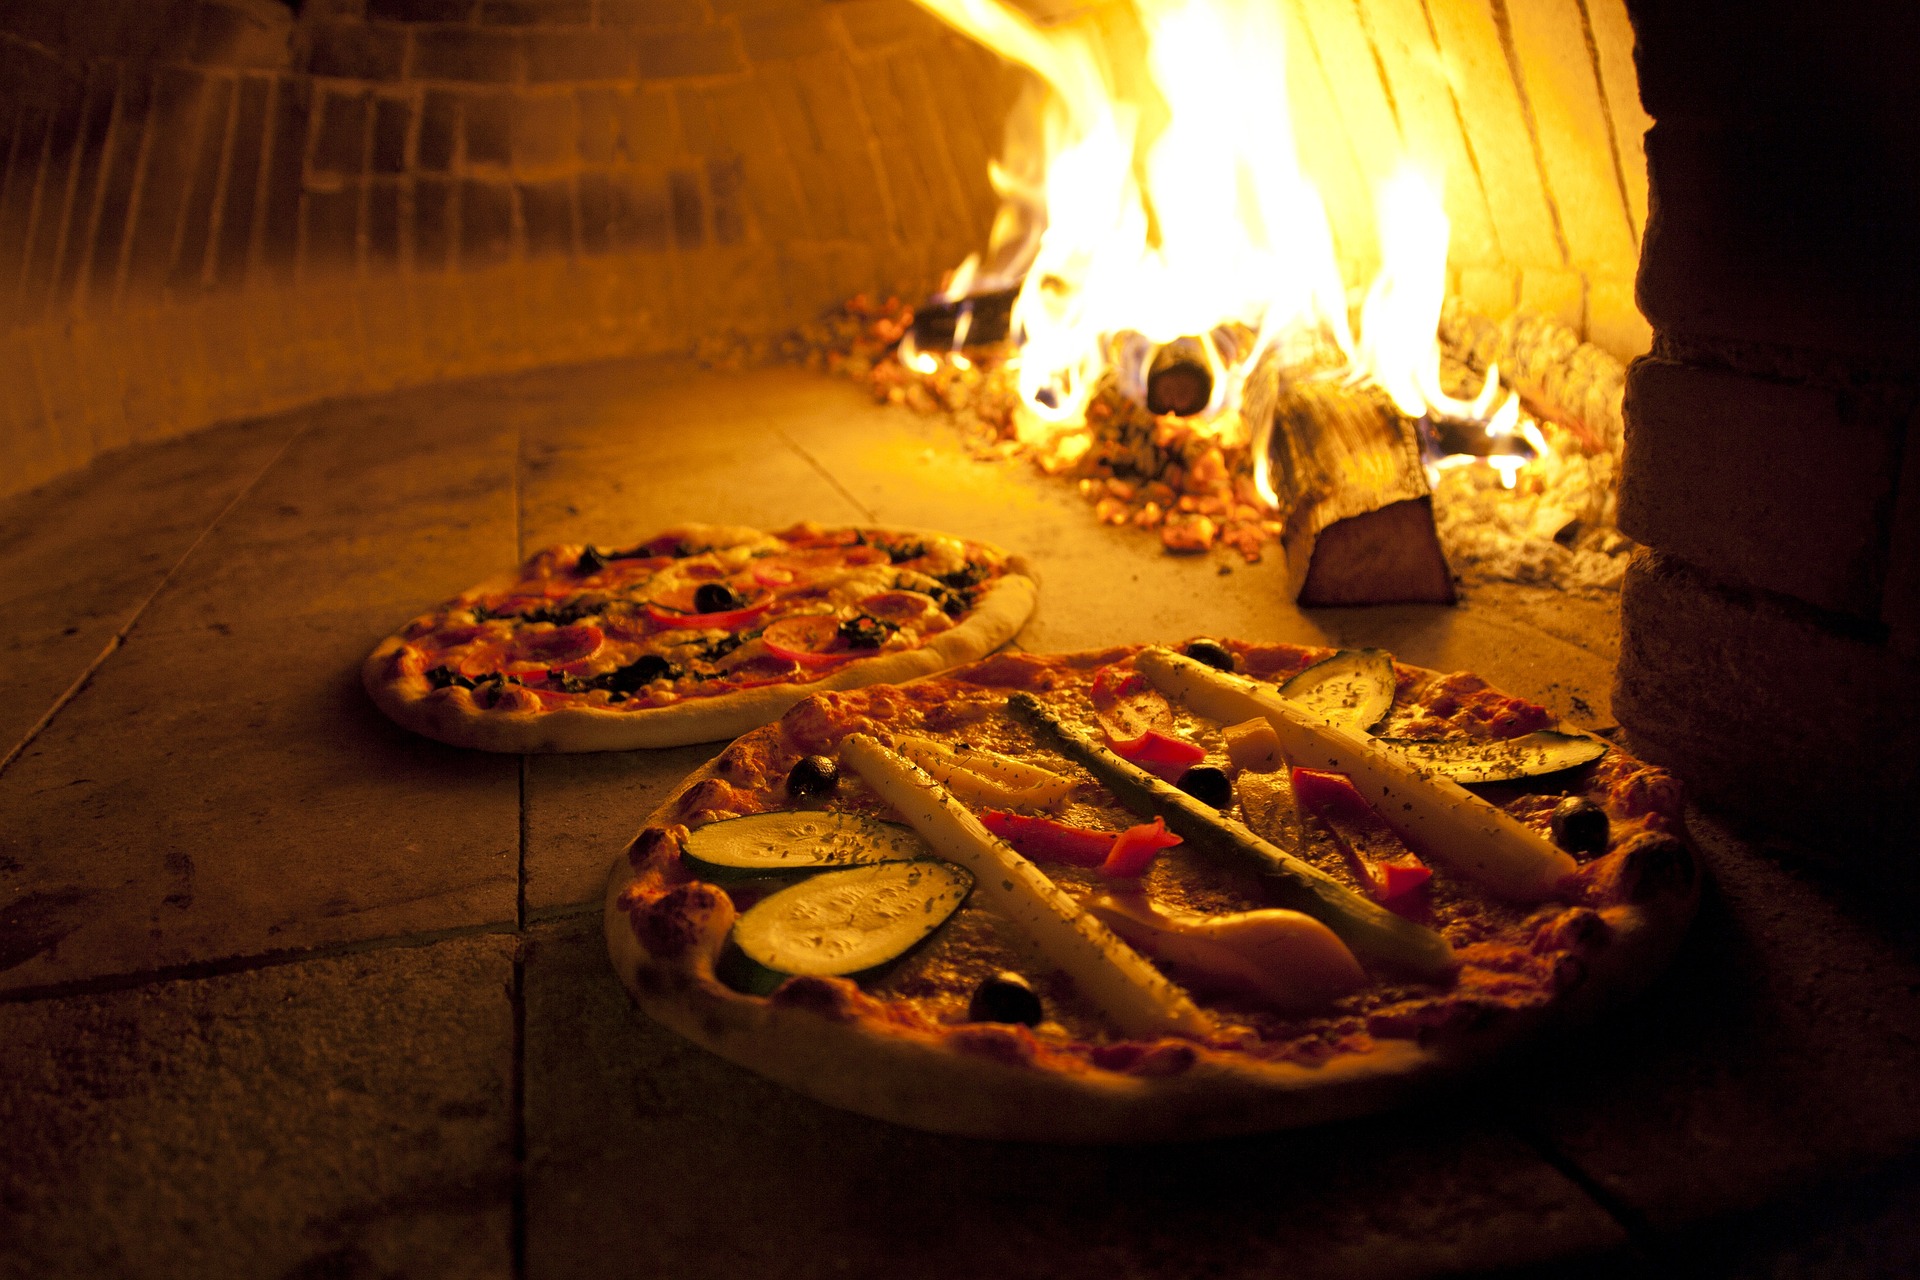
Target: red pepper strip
(1048, 839)
(1380, 858)
(703, 621)
(1136, 846)
(1160, 754)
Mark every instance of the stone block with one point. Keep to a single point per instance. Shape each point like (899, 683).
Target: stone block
(102, 260)
(392, 123)
(488, 119)
(874, 23)
(726, 184)
(641, 213)
(1791, 235)
(1768, 707)
(439, 131)
(785, 35)
(357, 51)
(652, 15)
(546, 210)
(573, 56)
(384, 220)
(645, 122)
(179, 103)
(235, 33)
(544, 130)
(701, 51)
(196, 217)
(689, 208)
(332, 232)
(421, 10)
(1555, 292)
(291, 115)
(460, 53)
(521, 13)
(340, 139)
(598, 128)
(486, 224)
(432, 224)
(1784, 486)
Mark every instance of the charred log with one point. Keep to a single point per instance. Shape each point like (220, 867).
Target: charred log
(1352, 492)
(1179, 381)
(977, 321)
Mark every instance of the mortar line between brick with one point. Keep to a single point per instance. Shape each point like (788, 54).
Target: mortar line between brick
(865, 511)
(119, 637)
(198, 969)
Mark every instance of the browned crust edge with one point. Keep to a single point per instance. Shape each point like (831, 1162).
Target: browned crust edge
(451, 715)
(914, 1079)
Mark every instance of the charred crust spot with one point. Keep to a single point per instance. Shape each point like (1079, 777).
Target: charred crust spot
(651, 845)
(1012, 1046)
(1654, 865)
(835, 999)
(670, 925)
(1578, 929)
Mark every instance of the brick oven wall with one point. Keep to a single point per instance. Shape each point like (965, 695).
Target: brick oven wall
(216, 208)
(1771, 632)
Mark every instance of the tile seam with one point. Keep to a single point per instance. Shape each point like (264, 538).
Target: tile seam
(119, 638)
(197, 970)
(1640, 1233)
(865, 511)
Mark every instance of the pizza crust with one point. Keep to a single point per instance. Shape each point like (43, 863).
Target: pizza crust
(921, 1080)
(451, 715)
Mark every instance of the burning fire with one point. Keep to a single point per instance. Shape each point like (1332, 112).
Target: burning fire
(1177, 212)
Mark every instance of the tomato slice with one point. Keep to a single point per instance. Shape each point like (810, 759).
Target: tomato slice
(705, 621)
(808, 639)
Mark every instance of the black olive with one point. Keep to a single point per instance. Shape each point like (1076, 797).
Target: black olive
(591, 561)
(638, 674)
(715, 597)
(1211, 652)
(1208, 785)
(1580, 826)
(813, 776)
(1006, 997)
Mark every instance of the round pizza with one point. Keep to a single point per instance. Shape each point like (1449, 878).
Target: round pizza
(698, 634)
(1148, 893)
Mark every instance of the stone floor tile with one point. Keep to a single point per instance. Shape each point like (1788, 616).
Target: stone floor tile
(648, 1156)
(339, 1117)
(582, 809)
(1779, 1052)
(80, 555)
(223, 786)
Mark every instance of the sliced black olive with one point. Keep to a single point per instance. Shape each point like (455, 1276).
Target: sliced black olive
(715, 597)
(1211, 652)
(1580, 826)
(590, 561)
(1006, 997)
(864, 632)
(1208, 785)
(638, 674)
(813, 776)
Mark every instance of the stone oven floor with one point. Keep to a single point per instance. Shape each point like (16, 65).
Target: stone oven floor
(287, 992)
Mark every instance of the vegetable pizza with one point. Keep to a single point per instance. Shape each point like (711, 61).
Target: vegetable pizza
(1148, 893)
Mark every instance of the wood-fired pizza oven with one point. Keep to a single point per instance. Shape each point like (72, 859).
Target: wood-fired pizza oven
(216, 210)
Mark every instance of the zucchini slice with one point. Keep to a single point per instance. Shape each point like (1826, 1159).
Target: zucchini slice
(1351, 689)
(842, 922)
(799, 840)
(1528, 756)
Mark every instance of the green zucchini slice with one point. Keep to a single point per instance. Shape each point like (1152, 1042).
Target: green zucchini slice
(1528, 756)
(1351, 689)
(800, 840)
(842, 922)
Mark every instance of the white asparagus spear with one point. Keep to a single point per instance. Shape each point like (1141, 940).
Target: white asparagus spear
(1132, 992)
(1432, 811)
